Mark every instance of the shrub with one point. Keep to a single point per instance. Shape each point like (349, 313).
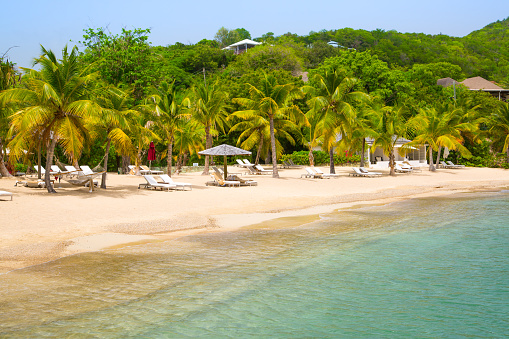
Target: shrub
(321, 158)
(20, 167)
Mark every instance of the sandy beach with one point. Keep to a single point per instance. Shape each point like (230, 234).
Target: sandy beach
(37, 227)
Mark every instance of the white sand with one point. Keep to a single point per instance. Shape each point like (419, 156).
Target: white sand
(36, 226)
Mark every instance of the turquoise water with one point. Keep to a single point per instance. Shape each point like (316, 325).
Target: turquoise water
(425, 268)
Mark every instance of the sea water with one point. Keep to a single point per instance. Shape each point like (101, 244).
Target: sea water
(422, 268)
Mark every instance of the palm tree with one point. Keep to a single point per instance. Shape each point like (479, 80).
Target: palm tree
(271, 100)
(500, 127)
(56, 100)
(189, 138)
(208, 107)
(255, 132)
(8, 79)
(332, 103)
(391, 124)
(112, 120)
(440, 128)
(141, 135)
(168, 113)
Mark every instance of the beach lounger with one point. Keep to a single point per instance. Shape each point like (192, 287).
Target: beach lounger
(132, 170)
(325, 175)
(39, 183)
(444, 165)
(219, 181)
(407, 165)
(450, 163)
(262, 170)
(399, 169)
(168, 180)
(366, 171)
(243, 182)
(72, 171)
(291, 163)
(43, 170)
(56, 169)
(152, 183)
(357, 173)
(5, 193)
(310, 173)
(156, 172)
(247, 162)
(243, 164)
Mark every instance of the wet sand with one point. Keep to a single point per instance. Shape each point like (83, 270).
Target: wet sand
(37, 227)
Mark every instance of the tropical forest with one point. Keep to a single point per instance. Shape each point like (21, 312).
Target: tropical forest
(314, 99)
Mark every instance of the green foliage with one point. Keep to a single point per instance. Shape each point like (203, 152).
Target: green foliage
(267, 58)
(321, 158)
(123, 59)
(20, 167)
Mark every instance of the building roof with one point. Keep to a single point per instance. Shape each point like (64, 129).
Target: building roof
(446, 82)
(479, 83)
(243, 42)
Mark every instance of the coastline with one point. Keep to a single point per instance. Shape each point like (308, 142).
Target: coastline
(38, 227)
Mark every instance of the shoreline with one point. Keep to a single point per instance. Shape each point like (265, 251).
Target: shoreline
(28, 246)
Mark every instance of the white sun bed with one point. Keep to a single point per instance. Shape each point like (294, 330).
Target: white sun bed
(168, 180)
(5, 193)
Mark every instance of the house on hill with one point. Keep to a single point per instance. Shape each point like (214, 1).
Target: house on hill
(478, 84)
(242, 46)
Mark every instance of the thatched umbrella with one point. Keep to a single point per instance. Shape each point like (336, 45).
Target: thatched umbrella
(224, 150)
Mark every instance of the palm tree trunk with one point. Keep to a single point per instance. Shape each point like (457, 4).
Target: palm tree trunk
(311, 157)
(438, 156)
(49, 161)
(105, 165)
(363, 151)
(126, 161)
(169, 156)
(275, 173)
(332, 169)
(39, 160)
(3, 170)
(507, 155)
(208, 144)
(392, 162)
(259, 151)
(431, 166)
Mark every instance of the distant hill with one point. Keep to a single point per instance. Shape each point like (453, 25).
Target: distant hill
(484, 52)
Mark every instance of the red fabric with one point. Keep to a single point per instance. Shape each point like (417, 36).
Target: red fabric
(151, 152)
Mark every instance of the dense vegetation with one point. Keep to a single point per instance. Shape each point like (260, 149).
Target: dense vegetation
(103, 104)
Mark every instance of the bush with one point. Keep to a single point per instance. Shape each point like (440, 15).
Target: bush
(20, 167)
(321, 158)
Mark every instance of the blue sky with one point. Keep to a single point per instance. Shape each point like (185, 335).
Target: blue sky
(54, 23)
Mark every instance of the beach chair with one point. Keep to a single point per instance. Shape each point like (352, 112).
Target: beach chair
(71, 171)
(56, 169)
(366, 171)
(149, 171)
(357, 173)
(132, 170)
(38, 183)
(444, 165)
(243, 164)
(325, 175)
(262, 170)
(407, 165)
(243, 182)
(399, 169)
(168, 180)
(292, 164)
(152, 183)
(310, 173)
(5, 193)
(43, 170)
(450, 163)
(219, 181)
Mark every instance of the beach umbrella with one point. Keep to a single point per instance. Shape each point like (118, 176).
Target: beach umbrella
(151, 153)
(224, 150)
